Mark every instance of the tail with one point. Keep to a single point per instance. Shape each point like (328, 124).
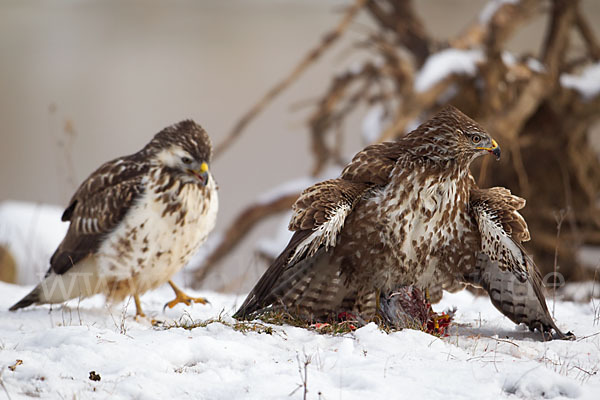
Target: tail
(309, 289)
(32, 298)
(286, 290)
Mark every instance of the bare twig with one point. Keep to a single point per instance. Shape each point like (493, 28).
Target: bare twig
(4, 386)
(334, 107)
(303, 371)
(595, 307)
(409, 29)
(559, 217)
(312, 56)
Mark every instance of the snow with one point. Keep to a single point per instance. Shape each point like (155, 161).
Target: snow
(485, 356)
(444, 63)
(587, 83)
(580, 291)
(373, 124)
(589, 256)
(508, 58)
(490, 9)
(31, 232)
(536, 65)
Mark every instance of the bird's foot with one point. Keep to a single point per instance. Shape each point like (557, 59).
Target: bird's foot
(140, 316)
(143, 319)
(181, 297)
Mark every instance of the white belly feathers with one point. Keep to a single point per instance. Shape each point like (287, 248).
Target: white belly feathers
(155, 239)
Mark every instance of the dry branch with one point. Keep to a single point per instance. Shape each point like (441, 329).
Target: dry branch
(400, 18)
(312, 56)
(588, 36)
(240, 227)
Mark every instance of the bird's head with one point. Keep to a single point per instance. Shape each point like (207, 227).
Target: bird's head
(451, 134)
(473, 141)
(183, 149)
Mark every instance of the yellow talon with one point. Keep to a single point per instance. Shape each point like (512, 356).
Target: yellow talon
(181, 297)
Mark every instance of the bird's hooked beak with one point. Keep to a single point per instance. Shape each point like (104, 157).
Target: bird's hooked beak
(201, 173)
(495, 149)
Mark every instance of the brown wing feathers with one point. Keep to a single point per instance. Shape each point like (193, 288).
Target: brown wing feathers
(374, 164)
(318, 203)
(315, 207)
(512, 280)
(96, 208)
(504, 205)
(262, 293)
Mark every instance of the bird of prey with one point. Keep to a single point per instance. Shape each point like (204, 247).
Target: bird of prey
(405, 213)
(135, 222)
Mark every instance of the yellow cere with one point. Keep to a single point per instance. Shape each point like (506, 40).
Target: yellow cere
(494, 145)
(203, 167)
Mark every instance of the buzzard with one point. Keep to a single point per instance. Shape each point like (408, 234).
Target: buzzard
(405, 213)
(135, 222)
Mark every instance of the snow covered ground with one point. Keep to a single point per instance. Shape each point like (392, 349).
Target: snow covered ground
(485, 357)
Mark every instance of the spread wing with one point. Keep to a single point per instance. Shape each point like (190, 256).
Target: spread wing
(502, 228)
(303, 273)
(96, 208)
(319, 215)
(503, 268)
(322, 209)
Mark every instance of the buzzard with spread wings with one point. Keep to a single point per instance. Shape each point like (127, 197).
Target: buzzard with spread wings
(406, 213)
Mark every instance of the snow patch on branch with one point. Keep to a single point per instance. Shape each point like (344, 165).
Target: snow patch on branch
(445, 63)
(587, 83)
(536, 65)
(508, 58)
(490, 9)
(373, 123)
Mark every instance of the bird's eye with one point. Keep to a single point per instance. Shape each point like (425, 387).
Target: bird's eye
(186, 160)
(476, 139)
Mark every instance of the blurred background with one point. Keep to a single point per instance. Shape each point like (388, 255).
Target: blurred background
(85, 81)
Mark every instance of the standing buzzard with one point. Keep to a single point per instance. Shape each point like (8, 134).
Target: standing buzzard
(405, 213)
(135, 222)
